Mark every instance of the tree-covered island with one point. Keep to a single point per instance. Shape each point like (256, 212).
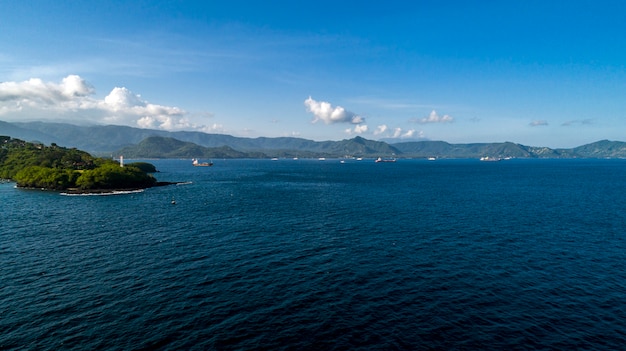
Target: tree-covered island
(53, 167)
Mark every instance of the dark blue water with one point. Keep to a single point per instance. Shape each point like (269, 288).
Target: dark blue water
(296, 255)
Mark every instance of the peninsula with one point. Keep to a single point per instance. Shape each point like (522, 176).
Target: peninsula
(33, 165)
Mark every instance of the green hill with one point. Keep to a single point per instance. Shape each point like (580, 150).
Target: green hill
(53, 167)
(441, 149)
(602, 149)
(162, 147)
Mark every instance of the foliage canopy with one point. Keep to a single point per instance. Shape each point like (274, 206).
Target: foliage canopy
(58, 168)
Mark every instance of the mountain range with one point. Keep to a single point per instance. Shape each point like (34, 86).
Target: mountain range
(111, 140)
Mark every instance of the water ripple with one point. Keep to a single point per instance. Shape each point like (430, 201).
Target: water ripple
(450, 255)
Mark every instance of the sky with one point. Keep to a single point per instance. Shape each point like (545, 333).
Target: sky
(538, 73)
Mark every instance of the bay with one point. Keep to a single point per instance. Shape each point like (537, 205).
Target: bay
(308, 254)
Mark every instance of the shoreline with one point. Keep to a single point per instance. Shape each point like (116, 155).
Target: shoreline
(77, 191)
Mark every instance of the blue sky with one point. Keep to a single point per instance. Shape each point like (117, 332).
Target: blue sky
(538, 73)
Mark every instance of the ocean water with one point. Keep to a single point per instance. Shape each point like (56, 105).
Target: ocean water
(323, 255)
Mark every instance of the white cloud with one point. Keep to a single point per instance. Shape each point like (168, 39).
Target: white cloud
(123, 106)
(34, 98)
(538, 123)
(359, 129)
(324, 111)
(122, 98)
(34, 92)
(414, 134)
(397, 133)
(381, 129)
(408, 134)
(214, 128)
(72, 98)
(74, 86)
(435, 118)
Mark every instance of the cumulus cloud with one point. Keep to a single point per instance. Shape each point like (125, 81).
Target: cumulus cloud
(72, 98)
(35, 93)
(123, 106)
(410, 134)
(397, 133)
(73, 86)
(362, 128)
(433, 117)
(214, 128)
(324, 111)
(538, 123)
(358, 129)
(381, 129)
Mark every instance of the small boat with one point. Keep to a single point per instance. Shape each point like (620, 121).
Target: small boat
(490, 159)
(432, 159)
(385, 160)
(203, 164)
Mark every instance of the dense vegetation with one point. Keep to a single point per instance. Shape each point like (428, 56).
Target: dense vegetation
(54, 167)
(144, 166)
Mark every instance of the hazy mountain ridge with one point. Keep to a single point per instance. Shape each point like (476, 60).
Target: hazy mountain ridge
(149, 143)
(442, 149)
(602, 149)
(26, 134)
(164, 147)
(111, 139)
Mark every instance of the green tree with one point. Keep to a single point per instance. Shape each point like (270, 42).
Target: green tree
(45, 177)
(56, 167)
(112, 176)
(144, 166)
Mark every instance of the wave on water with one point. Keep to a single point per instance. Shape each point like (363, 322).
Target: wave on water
(115, 192)
(309, 255)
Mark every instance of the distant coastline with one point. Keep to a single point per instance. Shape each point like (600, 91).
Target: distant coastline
(136, 143)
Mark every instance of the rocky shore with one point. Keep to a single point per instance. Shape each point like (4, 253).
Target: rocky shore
(78, 191)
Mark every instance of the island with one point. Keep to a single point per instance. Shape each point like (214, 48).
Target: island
(34, 165)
